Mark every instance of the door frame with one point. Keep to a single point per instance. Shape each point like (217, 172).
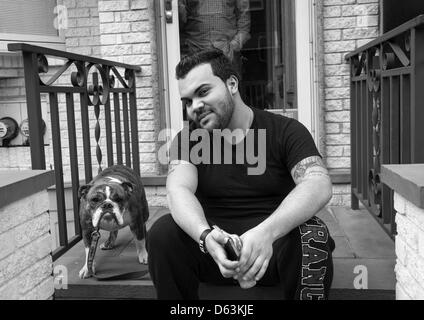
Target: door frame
(306, 61)
(307, 66)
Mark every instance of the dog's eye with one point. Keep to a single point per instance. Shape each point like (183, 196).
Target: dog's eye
(116, 198)
(96, 199)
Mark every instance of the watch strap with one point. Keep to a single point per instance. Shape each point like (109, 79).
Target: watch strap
(202, 244)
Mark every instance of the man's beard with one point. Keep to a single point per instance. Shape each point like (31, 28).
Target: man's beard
(224, 118)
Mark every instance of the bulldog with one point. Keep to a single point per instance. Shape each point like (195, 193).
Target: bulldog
(111, 201)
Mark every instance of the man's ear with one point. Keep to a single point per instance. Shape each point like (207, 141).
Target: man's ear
(83, 190)
(128, 187)
(232, 84)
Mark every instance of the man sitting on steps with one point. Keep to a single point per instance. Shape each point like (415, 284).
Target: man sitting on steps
(269, 205)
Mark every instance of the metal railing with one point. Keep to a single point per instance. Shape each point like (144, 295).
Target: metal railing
(93, 83)
(387, 113)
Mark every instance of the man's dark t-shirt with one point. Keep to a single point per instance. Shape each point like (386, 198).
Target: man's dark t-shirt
(235, 200)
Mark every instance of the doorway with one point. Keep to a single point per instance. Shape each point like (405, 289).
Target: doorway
(272, 65)
(269, 73)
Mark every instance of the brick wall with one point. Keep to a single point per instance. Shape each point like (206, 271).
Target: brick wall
(347, 25)
(25, 259)
(82, 34)
(409, 250)
(127, 34)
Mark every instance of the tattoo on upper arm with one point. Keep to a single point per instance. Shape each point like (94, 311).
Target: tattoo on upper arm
(309, 167)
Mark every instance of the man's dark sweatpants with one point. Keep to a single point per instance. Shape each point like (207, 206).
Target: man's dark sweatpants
(301, 263)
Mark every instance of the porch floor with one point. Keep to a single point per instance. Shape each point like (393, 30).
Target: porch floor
(360, 241)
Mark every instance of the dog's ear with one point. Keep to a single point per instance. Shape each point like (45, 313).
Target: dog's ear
(83, 190)
(128, 187)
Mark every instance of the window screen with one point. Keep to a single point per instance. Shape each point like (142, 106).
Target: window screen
(28, 17)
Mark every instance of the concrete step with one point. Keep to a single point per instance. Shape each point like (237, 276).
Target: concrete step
(351, 258)
(370, 294)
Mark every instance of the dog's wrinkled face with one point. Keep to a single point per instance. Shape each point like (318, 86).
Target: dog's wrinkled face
(107, 203)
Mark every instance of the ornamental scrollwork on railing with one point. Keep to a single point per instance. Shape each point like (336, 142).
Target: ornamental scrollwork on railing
(358, 65)
(374, 87)
(374, 181)
(103, 80)
(98, 93)
(397, 52)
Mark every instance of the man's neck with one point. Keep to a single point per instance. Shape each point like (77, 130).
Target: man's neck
(242, 117)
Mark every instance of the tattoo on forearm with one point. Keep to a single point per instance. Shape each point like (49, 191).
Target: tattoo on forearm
(309, 167)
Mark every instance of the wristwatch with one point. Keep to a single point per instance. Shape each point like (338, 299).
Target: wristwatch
(202, 244)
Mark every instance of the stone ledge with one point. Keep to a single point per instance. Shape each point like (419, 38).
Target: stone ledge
(407, 180)
(15, 185)
(339, 176)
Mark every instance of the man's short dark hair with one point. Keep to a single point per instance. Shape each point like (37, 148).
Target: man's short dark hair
(221, 65)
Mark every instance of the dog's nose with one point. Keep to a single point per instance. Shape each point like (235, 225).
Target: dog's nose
(107, 205)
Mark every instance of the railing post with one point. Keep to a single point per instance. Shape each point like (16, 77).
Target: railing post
(134, 127)
(353, 142)
(32, 87)
(417, 110)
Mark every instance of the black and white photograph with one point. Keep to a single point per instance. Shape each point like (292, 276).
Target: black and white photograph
(214, 154)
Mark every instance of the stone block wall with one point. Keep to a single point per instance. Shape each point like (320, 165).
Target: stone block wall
(25, 251)
(346, 25)
(341, 195)
(127, 35)
(82, 32)
(156, 196)
(409, 250)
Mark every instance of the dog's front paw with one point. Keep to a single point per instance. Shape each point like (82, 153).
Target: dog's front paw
(143, 256)
(85, 273)
(107, 245)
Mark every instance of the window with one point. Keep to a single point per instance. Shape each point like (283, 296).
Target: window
(28, 21)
